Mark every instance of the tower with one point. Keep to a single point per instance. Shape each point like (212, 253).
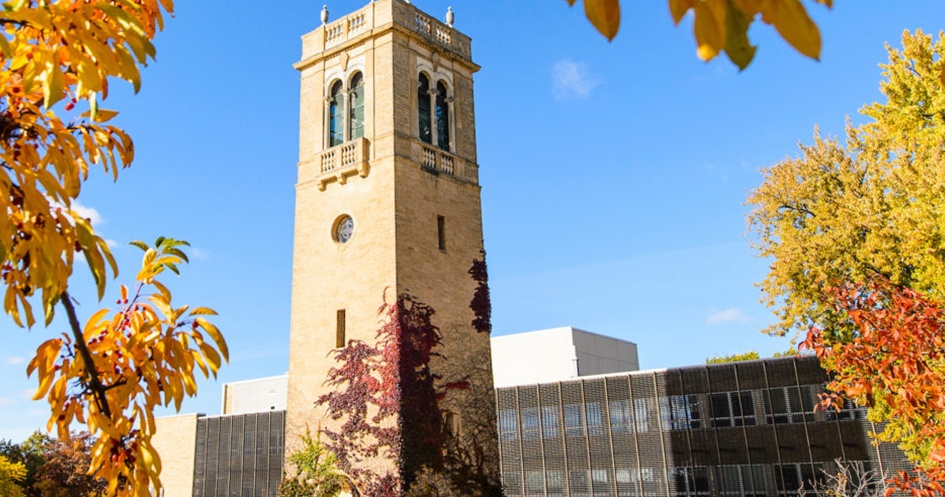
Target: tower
(388, 205)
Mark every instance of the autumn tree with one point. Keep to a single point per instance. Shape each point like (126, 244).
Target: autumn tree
(31, 453)
(64, 470)
(722, 25)
(869, 206)
(10, 474)
(57, 58)
(854, 233)
(895, 363)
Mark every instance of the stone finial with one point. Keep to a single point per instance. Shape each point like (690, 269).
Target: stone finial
(449, 16)
(324, 14)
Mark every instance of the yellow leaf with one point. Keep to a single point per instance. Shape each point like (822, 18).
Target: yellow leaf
(678, 9)
(941, 75)
(739, 50)
(53, 84)
(104, 115)
(709, 28)
(215, 334)
(203, 311)
(790, 18)
(604, 15)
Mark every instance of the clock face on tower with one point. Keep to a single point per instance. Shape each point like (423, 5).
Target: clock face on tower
(344, 227)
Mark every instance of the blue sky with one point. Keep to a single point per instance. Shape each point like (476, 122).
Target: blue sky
(613, 174)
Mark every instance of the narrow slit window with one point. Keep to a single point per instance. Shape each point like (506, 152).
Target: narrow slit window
(340, 330)
(441, 232)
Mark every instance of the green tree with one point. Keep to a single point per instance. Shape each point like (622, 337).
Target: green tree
(316, 471)
(871, 206)
(722, 25)
(746, 356)
(31, 453)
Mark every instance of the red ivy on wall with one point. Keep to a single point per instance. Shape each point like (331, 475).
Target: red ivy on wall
(388, 399)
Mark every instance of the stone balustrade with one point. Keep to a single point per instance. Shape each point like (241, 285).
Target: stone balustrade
(379, 14)
(341, 161)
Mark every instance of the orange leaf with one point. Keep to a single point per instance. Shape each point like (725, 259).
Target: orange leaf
(604, 15)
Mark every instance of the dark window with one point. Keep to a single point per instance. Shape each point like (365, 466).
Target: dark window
(442, 117)
(680, 412)
(441, 232)
(732, 409)
(794, 480)
(789, 405)
(742, 480)
(423, 109)
(848, 411)
(692, 481)
(336, 112)
(356, 108)
(340, 329)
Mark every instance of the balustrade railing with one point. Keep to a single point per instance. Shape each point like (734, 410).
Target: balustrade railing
(371, 17)
(341, 161)
(437, 160)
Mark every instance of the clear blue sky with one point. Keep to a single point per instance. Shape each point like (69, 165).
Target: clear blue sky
(613, 174)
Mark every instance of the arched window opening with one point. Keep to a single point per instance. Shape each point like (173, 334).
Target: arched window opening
(356, 107)
(442, 117)
(423, 108)
(336, 130)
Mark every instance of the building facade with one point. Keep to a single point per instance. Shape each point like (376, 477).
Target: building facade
(737, 429)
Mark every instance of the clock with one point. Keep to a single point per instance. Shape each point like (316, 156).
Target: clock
(344, 227)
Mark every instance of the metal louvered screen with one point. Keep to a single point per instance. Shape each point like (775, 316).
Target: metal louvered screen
(737, 429)
(239, 455)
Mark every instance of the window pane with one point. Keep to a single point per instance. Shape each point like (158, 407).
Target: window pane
(442, 118)
(356, 114)
(423, 109)
(336, 133)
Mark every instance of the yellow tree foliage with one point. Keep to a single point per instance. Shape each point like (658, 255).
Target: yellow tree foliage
(10, 473)
(122, 365)
(57, 58)
(872, 207)
(722, 25)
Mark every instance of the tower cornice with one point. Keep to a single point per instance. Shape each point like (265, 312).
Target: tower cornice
(378, 19)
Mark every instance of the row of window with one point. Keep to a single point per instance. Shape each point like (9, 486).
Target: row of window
(346, 111)
(344, 95)
(682, 412)
(742, 480)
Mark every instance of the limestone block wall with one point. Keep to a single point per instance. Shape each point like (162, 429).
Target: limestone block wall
(175, 441)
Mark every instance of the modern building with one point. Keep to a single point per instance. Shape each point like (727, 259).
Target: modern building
(557, 354)
(737, 429)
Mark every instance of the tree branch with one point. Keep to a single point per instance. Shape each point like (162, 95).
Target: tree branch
(98, 390)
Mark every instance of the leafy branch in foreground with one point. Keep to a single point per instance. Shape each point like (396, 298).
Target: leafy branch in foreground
(112, 373)
(722, 25)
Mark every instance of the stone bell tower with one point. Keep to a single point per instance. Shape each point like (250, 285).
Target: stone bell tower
(388, 204)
